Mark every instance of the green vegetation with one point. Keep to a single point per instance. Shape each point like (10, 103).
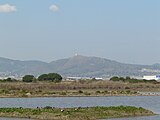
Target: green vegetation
(132, 80)
(89, 113)
(28, 78)
(8, 80)
(54, 77)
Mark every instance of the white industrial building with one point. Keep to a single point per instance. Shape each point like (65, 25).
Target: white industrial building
(153, 77)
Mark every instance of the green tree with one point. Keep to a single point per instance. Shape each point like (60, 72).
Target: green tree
(28, 78)
(55, 77)
(114, 78)
(128, 78)
(43, 77)
(122, 79)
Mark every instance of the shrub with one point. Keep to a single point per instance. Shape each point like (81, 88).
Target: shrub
(80, 91)
(28, 78)
(86, 93)
(48, 107)
(115, 78)
(98, 91)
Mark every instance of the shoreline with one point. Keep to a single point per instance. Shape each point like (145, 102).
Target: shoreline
(41, 96)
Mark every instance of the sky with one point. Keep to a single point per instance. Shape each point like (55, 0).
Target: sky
(127, 31)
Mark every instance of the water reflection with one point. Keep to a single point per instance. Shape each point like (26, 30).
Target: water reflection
(157, 117)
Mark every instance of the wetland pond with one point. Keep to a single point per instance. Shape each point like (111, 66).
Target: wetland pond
(148, 102)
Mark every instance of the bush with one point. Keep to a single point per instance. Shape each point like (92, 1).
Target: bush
(8, 80)
(98, 91)
(28, 78)
(115, 78)
(48, 107)
(80, 91)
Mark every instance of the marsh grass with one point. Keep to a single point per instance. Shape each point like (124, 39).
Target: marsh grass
(88, 113)
(75, 88)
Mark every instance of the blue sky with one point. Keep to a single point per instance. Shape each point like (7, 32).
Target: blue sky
(123, 30)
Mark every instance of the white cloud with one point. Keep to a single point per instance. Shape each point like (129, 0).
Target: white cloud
(54, 8)
(6, 8)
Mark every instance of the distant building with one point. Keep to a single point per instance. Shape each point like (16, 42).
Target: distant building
(154, 77)
(98, 78)
(78, 78)
(83, 78)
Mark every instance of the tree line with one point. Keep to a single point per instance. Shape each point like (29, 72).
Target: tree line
(54, 77)
(131, 80)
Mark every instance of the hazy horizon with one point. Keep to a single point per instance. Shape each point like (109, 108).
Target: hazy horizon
(125, 31)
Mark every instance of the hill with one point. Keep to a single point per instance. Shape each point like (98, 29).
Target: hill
(76, 66)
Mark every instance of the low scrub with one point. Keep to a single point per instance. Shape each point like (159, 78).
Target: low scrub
(132, 80)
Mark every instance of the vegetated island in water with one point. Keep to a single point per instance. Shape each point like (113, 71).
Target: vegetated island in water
(87, 113)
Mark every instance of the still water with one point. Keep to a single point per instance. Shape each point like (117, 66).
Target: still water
(139, 118)
(149, 102)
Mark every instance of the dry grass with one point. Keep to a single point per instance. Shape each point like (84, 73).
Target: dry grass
(74, 88)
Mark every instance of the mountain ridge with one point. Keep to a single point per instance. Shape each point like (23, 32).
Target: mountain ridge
(78, 65)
